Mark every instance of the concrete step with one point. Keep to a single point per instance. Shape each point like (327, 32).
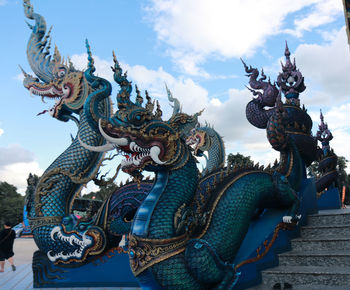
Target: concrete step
(329, 219)
(321, 244)
(307, 276)
(287, 286)
(315, 258)
(324, 231)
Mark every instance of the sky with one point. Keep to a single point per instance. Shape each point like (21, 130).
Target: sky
(194, 46)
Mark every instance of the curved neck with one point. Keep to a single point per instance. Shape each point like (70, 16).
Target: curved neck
(216, 153)
(292, 166)
(173, 189)
(64, 178)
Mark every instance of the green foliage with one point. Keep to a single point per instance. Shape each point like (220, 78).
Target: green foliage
(103, 193)
(238, 159)
(11, 204)
(343, 177)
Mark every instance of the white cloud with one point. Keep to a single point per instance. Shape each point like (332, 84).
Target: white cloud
(17, 173)
(14, 154)
(1, 131)
(327, 66)
(198, 29)
(321, 13)
(16, 163)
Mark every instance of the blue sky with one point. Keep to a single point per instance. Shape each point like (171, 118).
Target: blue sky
(192, 45)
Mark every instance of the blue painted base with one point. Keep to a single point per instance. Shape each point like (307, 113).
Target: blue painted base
(109, 270)
(262, 230)
(330, 199)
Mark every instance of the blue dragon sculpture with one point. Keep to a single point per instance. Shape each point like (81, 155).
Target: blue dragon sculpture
(327, 158)
(298, 123)
(185, 236)
(56, 232)
(206, 138)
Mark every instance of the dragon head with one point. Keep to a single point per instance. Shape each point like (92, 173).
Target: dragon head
(55, 78)
(139, 132)
(198, 140)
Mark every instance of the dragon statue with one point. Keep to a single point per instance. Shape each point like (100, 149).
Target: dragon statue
(291, 83)
(56, 232)
(206, 138)
(186, 236)
(327, 158)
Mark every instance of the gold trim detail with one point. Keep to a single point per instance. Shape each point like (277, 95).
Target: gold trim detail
(36, 222)
(144, 253)
(259, 256)
(219, 197)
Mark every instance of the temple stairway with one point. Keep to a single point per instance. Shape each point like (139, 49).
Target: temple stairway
(320, 257)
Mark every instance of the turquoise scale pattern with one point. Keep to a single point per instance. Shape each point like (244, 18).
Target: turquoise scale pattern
(216, 152)
(162, 222)
(56, 199)
(237, 205)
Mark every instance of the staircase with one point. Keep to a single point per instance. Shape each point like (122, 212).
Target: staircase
(319, 259)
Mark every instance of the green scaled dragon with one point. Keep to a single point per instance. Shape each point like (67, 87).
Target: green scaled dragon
(184, 236)
(56, 232)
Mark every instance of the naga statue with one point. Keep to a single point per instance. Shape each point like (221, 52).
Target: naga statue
(327, 160)
(184, 236)
(56, 232)
(205, 138)
(291, 82)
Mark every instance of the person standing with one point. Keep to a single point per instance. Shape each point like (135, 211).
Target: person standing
(7, 237)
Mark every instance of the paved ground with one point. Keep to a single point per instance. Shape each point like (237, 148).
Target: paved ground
(23, 249)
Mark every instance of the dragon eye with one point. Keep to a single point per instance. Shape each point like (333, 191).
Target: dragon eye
(61, 72)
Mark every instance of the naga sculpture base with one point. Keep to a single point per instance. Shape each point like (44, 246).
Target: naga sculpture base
(267, 237)
(329, 199)
(108, 270)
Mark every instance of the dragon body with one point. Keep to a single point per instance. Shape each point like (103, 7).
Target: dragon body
(186, 236)
(84, 98)
(56, 232)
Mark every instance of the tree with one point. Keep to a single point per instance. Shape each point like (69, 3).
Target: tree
(342, 180)
(11, 204)
(238, 159)
(104, 192)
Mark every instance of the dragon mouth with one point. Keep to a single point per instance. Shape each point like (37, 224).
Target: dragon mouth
(76, 248)
(137, 157)
(195, 142)
(50, 91)
(138, 153)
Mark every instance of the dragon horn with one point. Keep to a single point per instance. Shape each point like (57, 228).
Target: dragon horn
(104, 90)
(123, 97)
(38, 59)
(175, 101)
(24, 73)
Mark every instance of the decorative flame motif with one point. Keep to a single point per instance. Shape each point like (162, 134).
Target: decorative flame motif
(290, 80)
(324, 135)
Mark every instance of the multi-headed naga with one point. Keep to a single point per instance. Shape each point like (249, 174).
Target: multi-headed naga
(186, 236)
